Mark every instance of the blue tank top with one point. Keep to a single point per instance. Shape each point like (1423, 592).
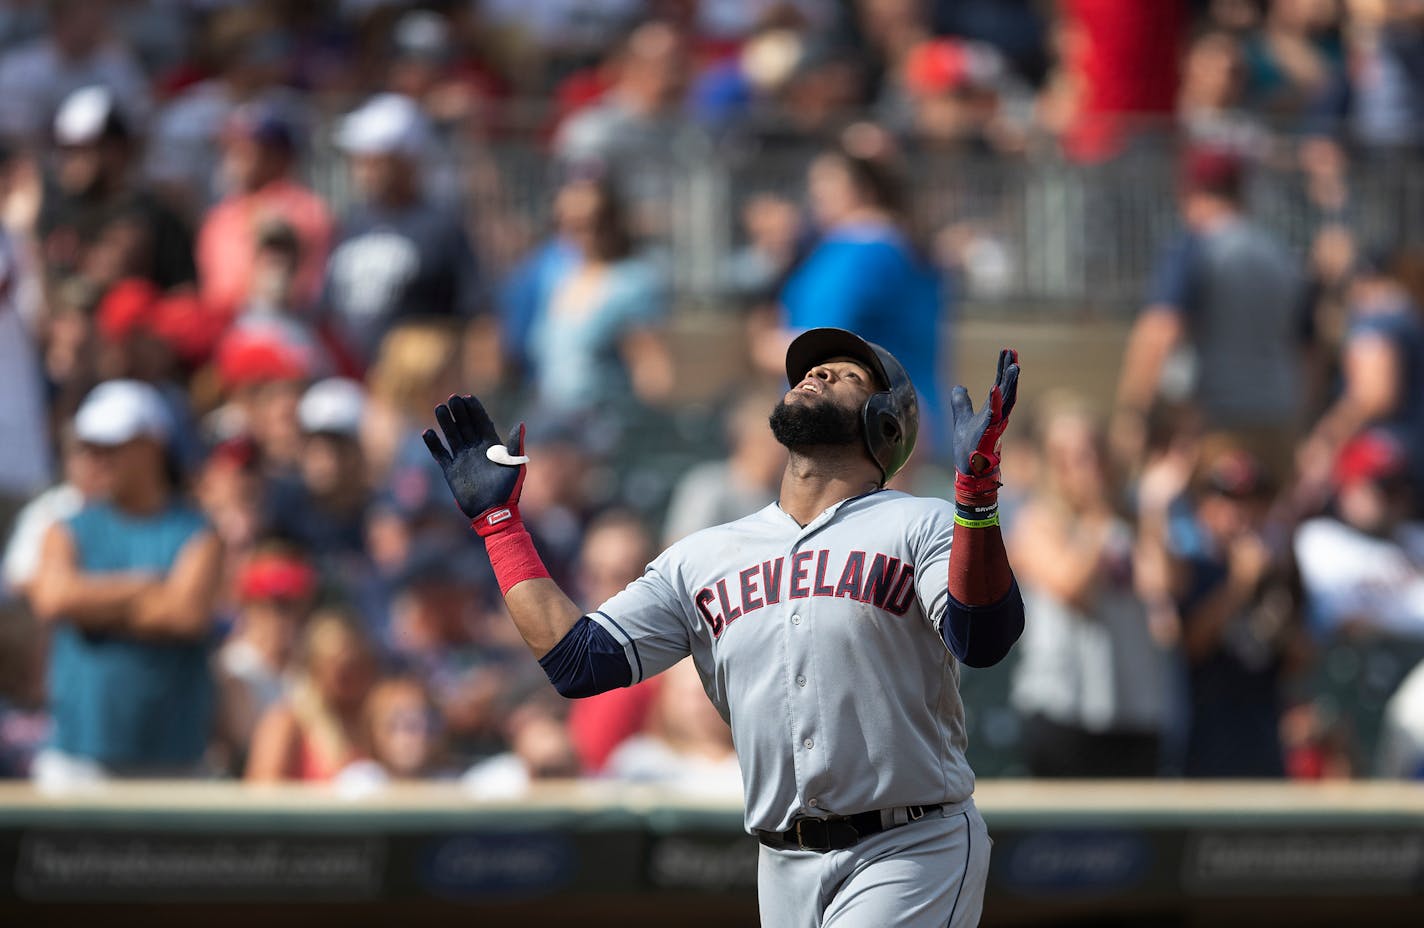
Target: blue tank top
(868, 280)
(123, 700)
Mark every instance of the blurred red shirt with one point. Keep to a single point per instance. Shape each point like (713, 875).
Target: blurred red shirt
(227, 242)
(1123, 55)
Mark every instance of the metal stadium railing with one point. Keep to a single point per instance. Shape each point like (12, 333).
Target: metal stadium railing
(1028, 231)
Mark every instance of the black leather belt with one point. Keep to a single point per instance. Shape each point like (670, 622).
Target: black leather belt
(837, 832)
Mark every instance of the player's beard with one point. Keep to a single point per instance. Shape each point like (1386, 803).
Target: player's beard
(817, 423)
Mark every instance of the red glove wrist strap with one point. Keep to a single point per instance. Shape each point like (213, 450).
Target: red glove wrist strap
(510, 549)
(977, 491)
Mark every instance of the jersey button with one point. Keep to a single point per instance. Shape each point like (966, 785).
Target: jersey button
(795, 618)
(800, 680)
(809, 744)
(812, 802)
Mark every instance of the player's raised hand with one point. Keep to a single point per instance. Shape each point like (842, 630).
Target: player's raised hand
(484, 473)
(977, 435)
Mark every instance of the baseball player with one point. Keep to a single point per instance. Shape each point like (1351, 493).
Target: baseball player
(828, 629)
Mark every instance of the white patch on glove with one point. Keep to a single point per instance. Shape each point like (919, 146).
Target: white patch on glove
(500, 455)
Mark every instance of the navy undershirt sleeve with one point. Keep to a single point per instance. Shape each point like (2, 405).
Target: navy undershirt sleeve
(586, 661)
(980, 636)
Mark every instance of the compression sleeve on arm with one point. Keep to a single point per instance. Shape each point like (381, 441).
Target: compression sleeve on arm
(586, 661)
(980, 636)
(985, 613)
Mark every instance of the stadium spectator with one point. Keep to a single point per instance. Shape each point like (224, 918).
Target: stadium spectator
(228, 487)
(155, 339)
(1241, 632)
(264, 365)
(132, 342)
(594, 345)
(1362, 565)
(399, 253)
(733, 22)
(78, 50)
(559, 503)
(69, 347)
(276, 589)
(524, 293)
(1401, 747)
(1117, 68)
(24, 719)
(1090, 678)
(540, 748)
(1210, 104)
(1381, 375)
(127, 586)
(684, 744)
(1295, 57)
(98, 219)
(756, 272)
(417, 367)
(1016, 28)
(318, 728)
(259, 148)
(783, 78)
(405, 731)
(746, 480)
(25, 459)
(630, 132)
(1382, 98)
(425, 66)
(562, 29)
(1226, 300)
(886, 33)
(616, 549)
(953, 94)
(81, 482)
(867, 273)
(441, 624)
(323, 506)
(243, 55)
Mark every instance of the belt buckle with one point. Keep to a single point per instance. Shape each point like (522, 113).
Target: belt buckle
(915, 813)
(823, 824)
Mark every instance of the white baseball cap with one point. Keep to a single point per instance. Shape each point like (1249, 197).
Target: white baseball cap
(332, 406)
(86, 116)
(386, 124)
(119, 411)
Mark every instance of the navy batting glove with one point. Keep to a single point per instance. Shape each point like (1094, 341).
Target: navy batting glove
(485, 475)
(977, 435)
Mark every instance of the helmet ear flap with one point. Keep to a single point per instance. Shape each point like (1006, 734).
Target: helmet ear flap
(889, 427)
(883, 432)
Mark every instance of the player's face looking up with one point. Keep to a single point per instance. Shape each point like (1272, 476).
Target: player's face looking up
(825, 407)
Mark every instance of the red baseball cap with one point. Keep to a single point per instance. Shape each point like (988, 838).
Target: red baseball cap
(126, 308)
(936, 66)
(275, 576)
(1373, 455)
(1213, 170)
(189, 327)
(260, 353)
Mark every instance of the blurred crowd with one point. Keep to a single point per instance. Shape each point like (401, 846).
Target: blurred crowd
(245, 249)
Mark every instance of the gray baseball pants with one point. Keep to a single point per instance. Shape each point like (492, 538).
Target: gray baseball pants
(926, 874)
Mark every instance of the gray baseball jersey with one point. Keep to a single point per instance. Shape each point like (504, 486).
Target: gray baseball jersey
(820, 646)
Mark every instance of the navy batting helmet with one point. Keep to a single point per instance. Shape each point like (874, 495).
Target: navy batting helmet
(891, 416)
